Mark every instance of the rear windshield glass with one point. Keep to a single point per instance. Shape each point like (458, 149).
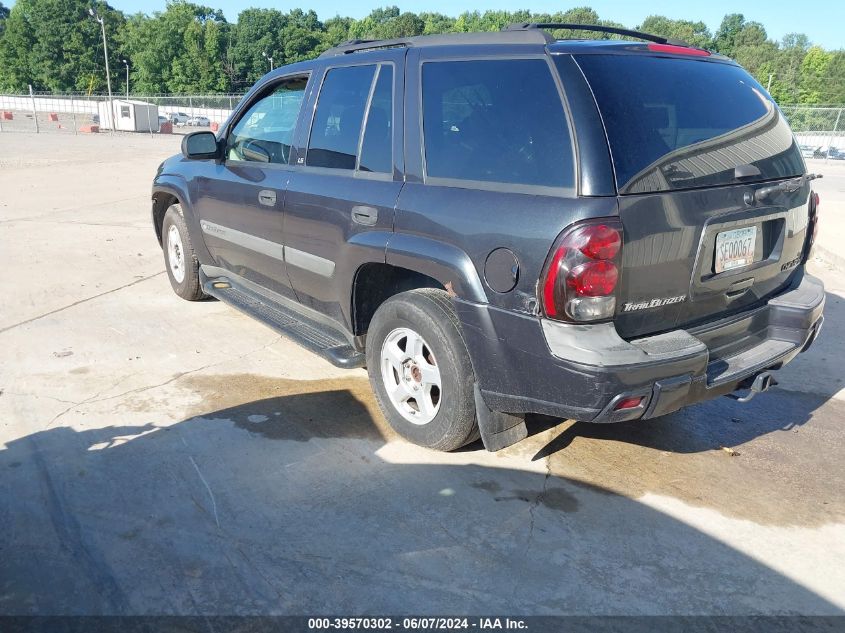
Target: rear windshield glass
(680, 124)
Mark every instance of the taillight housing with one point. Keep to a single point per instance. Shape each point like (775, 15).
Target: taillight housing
(813, 226)
(582, 272)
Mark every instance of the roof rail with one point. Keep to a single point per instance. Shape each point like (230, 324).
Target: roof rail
(513, 36)
(363, 45)
(543, 26)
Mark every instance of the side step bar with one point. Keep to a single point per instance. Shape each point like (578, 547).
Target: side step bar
(316, 337)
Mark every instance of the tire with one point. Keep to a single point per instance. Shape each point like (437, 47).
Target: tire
(179, 256)
(443, 418)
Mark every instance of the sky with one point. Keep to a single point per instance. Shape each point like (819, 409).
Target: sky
(821, 20)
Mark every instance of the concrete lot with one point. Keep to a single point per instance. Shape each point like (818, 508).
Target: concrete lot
(163, 457)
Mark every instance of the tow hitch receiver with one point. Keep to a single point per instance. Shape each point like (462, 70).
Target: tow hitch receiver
(762, 382)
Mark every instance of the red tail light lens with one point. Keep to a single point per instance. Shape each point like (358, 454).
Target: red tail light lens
(602, 242)
(593, 279)
(582, 272)
(628, 403)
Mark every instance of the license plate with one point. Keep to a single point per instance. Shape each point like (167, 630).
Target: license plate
(735, 248)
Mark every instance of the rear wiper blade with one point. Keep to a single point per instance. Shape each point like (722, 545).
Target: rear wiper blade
(787, 186)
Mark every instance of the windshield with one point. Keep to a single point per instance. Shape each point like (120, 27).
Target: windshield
(681, 124)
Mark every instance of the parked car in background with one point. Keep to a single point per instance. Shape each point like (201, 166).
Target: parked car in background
(435, 210)
(808, 151)
(199, 121)
(836, 154)
(178, 118)
(162, 119)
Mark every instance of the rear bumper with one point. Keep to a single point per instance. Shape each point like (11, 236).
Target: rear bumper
(525, 364)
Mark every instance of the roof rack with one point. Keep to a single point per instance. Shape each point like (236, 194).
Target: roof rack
(544, 26)
(512, 36)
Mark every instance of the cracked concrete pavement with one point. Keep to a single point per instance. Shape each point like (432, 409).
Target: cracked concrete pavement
(165, 457)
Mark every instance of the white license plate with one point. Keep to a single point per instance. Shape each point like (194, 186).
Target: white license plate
(735, 248)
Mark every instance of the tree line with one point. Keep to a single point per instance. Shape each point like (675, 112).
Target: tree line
(55, 45)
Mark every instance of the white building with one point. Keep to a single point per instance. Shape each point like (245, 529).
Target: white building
(129, 115)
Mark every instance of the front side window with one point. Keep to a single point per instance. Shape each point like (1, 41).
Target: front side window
(265, 133)
(499, 121)
(336, 129)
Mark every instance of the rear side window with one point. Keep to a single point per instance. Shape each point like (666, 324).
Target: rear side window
(377, 145)
(336, 129)
(498, 121)
(681, 124)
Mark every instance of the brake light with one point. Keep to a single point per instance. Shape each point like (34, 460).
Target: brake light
(582, 272)
(678, 50)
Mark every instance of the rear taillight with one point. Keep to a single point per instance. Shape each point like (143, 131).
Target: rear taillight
(582, 271)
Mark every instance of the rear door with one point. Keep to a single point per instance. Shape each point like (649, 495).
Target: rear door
(348, 176)
(692, 140)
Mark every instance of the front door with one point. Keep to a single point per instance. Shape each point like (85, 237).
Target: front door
(240, 200)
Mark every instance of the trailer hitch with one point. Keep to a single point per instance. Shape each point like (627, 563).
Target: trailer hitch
(762, 382)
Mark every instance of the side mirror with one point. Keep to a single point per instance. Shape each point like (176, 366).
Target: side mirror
(199, 145)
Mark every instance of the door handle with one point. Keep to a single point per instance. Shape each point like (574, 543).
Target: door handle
(267, 197)
(362, 214)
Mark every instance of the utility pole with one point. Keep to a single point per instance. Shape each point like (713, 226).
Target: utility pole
(94, 15)
(266, 56)
(126, 63)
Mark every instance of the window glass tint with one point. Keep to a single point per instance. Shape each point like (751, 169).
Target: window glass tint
(377, 146)
(495, 120)
(679, 123)
(265, 133)
(339, 116)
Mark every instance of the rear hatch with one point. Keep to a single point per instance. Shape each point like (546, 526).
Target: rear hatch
(692, 139)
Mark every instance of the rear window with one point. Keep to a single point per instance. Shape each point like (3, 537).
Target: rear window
(681, 124)
(499, 121)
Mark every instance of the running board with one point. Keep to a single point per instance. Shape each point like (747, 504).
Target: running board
(313, 336)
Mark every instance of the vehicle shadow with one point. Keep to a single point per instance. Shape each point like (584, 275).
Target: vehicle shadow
(300, 504)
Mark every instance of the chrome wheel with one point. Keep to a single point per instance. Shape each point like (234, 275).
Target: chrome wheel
(176, 254)
(411, 376)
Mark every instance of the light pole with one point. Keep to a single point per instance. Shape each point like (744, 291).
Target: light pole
(94, 15)
(266, 56)
(126, 63)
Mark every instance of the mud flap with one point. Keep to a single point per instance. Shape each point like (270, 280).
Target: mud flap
(498, 430)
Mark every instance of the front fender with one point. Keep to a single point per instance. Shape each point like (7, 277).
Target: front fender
(165, 187)
(444, 262)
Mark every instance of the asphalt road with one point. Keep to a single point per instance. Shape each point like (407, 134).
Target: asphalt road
(162, 457)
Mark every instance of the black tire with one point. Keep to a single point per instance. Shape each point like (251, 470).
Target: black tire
(188, 287)
(428, 312)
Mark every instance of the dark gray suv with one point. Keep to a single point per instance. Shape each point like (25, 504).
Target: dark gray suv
(497, 224)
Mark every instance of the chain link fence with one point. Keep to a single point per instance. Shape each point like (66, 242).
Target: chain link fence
(817, 128)
(76, 113)
(821, 128)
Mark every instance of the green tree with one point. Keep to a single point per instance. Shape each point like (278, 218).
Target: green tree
(55, 45)
(257, 33)
(694, 33)
(725, 38)
(183, 49)
(4, 13)
(814, 70)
